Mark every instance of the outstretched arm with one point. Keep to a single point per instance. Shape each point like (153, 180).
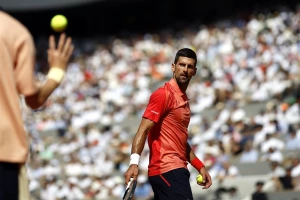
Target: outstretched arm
(58, 58)
(137, 148)
(199, 166)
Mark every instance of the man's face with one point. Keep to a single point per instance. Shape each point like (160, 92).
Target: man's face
(184, 70)
(259, 187)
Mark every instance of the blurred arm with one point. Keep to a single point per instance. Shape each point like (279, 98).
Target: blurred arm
(57, 58)
(38, 99)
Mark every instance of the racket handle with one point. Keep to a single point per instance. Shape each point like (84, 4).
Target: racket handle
(128, 184)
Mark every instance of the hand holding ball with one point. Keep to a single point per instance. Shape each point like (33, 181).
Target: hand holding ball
(59, 23)
(199, 179)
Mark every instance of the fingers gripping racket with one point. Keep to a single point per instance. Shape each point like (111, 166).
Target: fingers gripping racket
(130, 189)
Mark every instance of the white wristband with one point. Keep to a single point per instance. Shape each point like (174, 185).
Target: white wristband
(56, 74)
(134, 159)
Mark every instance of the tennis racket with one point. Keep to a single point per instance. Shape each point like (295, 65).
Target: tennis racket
(130, 189)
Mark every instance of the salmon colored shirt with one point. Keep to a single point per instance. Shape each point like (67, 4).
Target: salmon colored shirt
(17, 57)
(169, 108)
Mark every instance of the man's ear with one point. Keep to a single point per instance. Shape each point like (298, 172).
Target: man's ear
(173, 67)
(195, 71)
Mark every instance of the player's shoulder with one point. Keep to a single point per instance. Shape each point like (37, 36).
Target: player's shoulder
(159, 93)
(160, 90)
(6, 19)
(9, 25)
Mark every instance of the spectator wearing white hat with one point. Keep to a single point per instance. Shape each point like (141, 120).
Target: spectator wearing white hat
(74, 192)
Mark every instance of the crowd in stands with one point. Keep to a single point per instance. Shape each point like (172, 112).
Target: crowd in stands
(79, 149)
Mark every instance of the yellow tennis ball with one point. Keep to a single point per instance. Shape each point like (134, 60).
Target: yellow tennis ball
(199, 178)
(59, 23)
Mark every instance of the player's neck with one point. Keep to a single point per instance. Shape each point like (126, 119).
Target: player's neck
(182, 86)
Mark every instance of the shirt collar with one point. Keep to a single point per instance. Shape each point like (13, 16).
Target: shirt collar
(176, 88)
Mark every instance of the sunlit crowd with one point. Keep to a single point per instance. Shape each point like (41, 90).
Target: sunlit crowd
(80, 150)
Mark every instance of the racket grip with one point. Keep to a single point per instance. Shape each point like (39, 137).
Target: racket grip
(128, 184)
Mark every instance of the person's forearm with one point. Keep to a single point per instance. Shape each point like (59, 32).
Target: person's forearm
(139, 142)
(192, 158)
(58, 59)
(190, 155)
(141, 136)
(38, 99)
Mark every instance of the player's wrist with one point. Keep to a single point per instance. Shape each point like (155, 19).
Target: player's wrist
(56, 74)
(134, 159)
(197, 164)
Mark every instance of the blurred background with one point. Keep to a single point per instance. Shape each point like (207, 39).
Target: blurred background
(245, 98)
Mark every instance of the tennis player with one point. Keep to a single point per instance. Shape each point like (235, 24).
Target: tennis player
(17, 61)
(165, 123)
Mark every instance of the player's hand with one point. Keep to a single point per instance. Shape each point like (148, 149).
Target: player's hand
(206, 183)
(59, 56)
(132, 172)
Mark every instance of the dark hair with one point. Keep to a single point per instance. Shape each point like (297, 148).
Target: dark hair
(186, 52)
(259, 183)
(232, 189)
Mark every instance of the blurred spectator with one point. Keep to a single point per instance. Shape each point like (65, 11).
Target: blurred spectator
(286, 182)
(292, 141)
(271, 143)
(276, 170)
(295, 167)
(73, 191)
(259, 194)
(226, 138)
(249, 155)
(273, 155)
(223, 193)
(227, 171)
(233, 193)
(219, 193)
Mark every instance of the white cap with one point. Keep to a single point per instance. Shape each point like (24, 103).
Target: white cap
(95, 186)
(60, 183)
(73, 180)
(238, 115)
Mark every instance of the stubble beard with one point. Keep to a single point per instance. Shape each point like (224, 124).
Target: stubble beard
(181, 82)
